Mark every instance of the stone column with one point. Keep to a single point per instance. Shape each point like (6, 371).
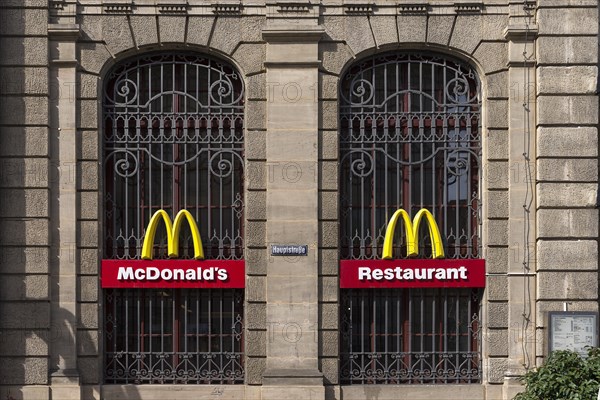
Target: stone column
(63, 352)
(521, 34)
(292, 211)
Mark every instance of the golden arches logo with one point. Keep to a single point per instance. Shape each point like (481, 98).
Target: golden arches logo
(173, 230)
(412, 234)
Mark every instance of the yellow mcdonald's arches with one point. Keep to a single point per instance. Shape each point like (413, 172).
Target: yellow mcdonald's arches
(412, 234)
(172, 234)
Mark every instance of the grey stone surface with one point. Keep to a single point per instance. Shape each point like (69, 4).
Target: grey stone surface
(497, 204)
(328, 205)
(354, 30)
(496, 85)
(567, 141)
(567, 49)
(19, 343)
(567, 110)
(497, 260)
(256, 343)
(87, 175)
(255, 233)
(328, 261)
(255, 115)
(24, 141)
(23, 287)
(144, 29)
(24, 232)
(255, 368)
(497, 315)
(88, 114)
(24, 51)
(93, 56)
(256, 316)
(328, 315)
(88, 288)
(28, 260)
(330, 369)
(38, 315)
(328, 234)
(328, 288)
(116, 32)
(497, 114)
(498, 232)
(384, 29)
(467, 32)
(328, 145)
(496, 367)
(24, 21)
(566, 194)
(25, 172)
(496, 174)
(199, 29)
(256, 145)
(251, 57)
(411, 28)
(571, 286)
(256, 205)
(87, 342)
(88, 148)
(497, 342)
(329, 343)
(88, 205)
(256, 175)
(24, 80)
(493, 56)
(88, 261)
(439, 29)
(256, 87)
(567, 21)
(88, 86)
(256, 288)
(329, 115)
(23, 110)
(567, 170)
(88, 315)
(334, 56)
(17, 203)
(328, 175)
(567, 255)
(567, 80)
(496, 287)
(23, 370)
(171, 28)
(567, 223)
(230, 31)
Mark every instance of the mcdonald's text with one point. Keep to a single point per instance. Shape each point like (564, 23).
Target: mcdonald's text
(169, 273)
(412, 273)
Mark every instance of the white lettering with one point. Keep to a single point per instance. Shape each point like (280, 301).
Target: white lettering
(364, 273)
(377, 274)
(440, 274)
(408, 274)
(152, 273)
(389, 274)
(166, 274)
(209, 274)
(178, 274)
(463, 272)
(125, 273)
(140, 274)
(222, 274)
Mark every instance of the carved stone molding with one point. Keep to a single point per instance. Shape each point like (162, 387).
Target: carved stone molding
(359, 8)
(118, 8)
(413, 9)
(468, 8)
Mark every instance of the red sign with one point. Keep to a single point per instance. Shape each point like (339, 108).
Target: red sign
(412, 273)
(146, 274)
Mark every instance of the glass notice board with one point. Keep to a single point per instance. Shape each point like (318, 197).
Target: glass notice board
(572, 330)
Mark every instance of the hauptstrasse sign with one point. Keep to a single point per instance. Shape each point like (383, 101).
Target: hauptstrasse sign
(412, 272)
(173, 273)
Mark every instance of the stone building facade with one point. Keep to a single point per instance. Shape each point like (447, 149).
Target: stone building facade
(533, 67)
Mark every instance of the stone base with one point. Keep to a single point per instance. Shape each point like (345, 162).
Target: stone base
(292, 384)
(291, 392)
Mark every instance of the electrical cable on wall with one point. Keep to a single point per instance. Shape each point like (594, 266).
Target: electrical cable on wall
(528, 200)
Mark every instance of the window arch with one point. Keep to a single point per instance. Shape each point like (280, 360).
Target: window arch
(410, 137)
(173, 140)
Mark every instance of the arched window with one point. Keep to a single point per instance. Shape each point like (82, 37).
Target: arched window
(173, 140)
(410, 138)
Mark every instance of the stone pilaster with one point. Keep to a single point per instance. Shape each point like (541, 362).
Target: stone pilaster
(63, 352)
(292, 210)
(521, 33)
